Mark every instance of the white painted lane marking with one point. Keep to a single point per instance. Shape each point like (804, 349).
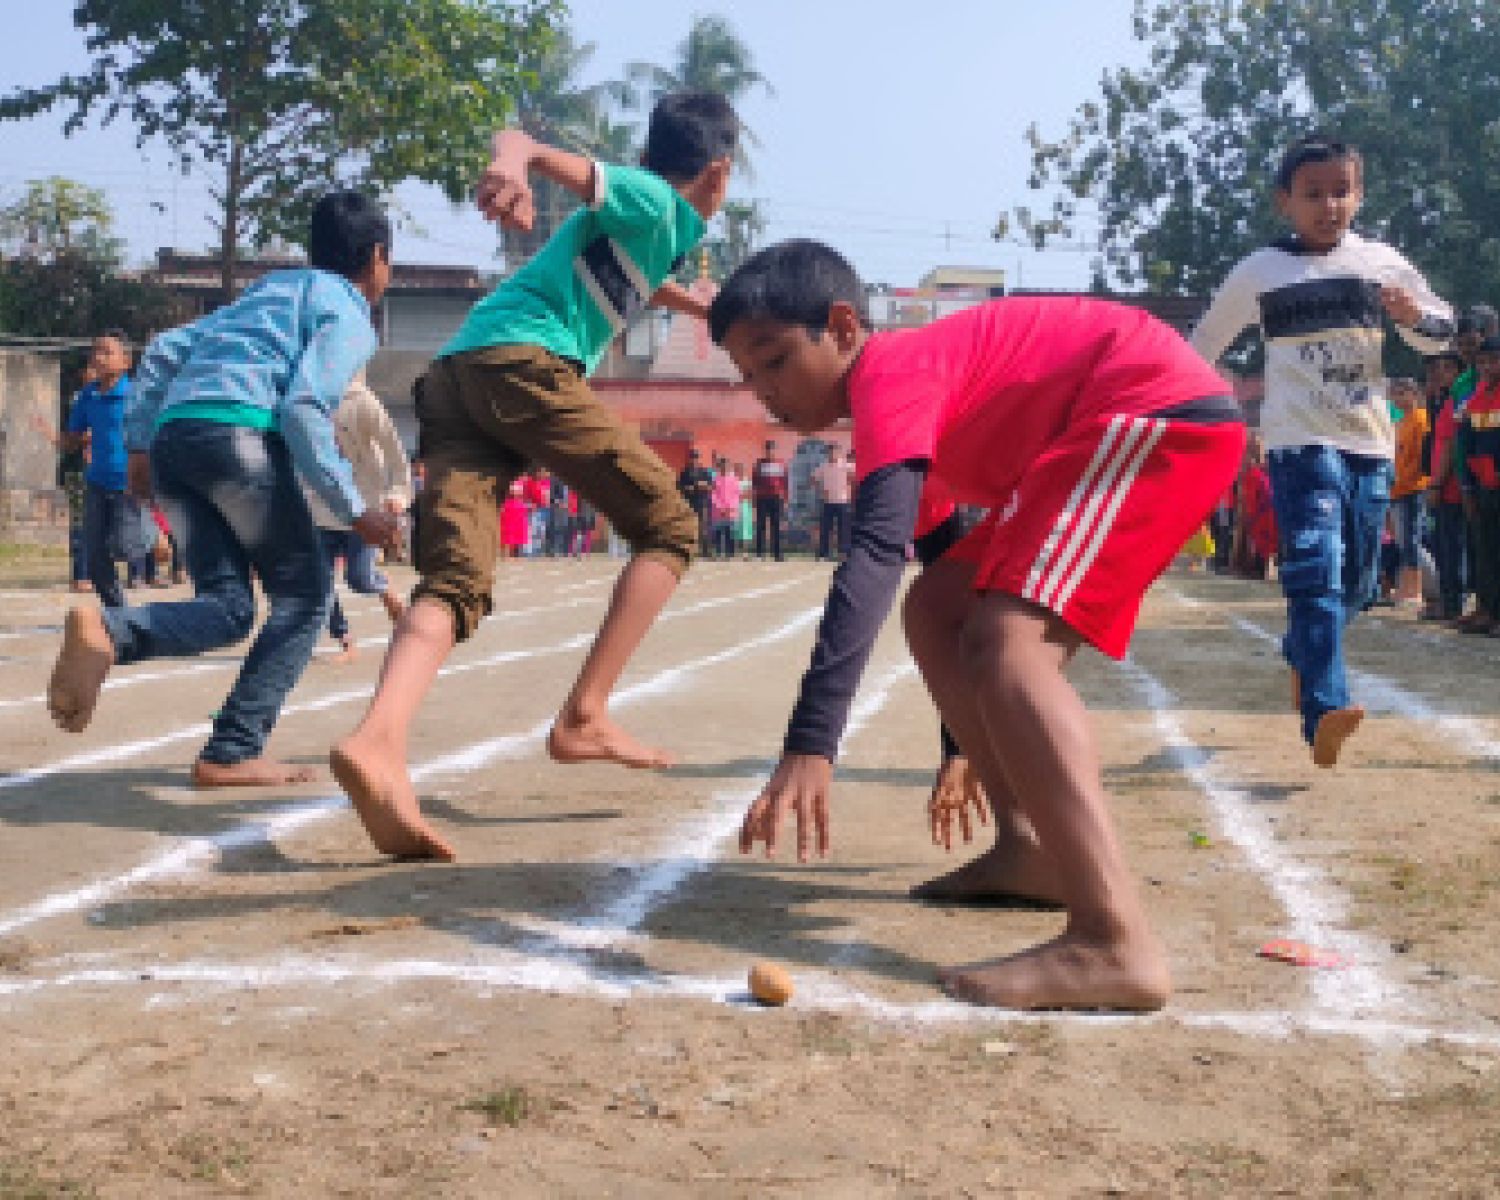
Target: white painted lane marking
(574, 976)
(122, 752)
(185, 856)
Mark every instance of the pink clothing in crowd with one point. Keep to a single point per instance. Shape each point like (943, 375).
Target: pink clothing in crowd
(725, 497)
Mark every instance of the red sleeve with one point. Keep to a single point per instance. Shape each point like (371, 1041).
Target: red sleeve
(896, 406)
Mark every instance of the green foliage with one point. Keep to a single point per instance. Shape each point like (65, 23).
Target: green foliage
(283, 99)
(1179, 155)
(77, 295)
(57, 216)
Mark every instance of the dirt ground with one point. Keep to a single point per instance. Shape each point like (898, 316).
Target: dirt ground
(205, 994)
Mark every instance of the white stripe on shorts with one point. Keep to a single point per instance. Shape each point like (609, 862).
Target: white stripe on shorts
(1155, 430)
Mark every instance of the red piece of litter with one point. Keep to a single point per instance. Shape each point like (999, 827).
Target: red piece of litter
(1300, 954)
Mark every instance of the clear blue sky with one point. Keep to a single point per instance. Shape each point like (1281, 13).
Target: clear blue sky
(895, 132)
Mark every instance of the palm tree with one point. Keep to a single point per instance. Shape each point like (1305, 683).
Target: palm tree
(556, 109)
(712, 58)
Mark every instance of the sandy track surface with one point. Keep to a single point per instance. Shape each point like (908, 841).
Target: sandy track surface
(206, 994)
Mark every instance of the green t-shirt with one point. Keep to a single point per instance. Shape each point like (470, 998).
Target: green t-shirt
(599, 269)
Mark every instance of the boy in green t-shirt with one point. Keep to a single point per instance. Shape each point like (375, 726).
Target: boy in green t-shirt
(510, 390)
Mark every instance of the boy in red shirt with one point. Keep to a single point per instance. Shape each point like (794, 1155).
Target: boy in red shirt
(1100, 441)
(1444, 496)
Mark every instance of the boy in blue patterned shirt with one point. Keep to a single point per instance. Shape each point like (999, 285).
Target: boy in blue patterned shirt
(232, 409)
(510, 390)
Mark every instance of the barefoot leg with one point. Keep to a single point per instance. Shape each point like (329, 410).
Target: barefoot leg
(251, 772)
(82, 664)
(1334, 729)
(584, 731)
(1039, 730)
(379, 787)
(370, 764)
(1014, 869)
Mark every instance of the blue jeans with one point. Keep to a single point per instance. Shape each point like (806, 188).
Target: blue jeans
(1330, 506)
(106, 517)
(360, 573)
(233, 500)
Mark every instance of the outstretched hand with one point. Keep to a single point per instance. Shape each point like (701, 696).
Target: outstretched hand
(800, 782)
(378, 528)
(955, 791)
(504, 191)
(1400, 305)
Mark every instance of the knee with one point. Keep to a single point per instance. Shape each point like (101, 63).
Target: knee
(668, 527)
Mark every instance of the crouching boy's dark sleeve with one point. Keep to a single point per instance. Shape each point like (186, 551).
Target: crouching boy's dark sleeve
(864, 587)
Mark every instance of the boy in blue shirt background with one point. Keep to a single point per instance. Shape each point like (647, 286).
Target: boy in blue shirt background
(98, 419)
(232, 409)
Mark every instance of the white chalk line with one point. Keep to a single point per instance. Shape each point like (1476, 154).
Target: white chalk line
(690, 849)
(505, 970)
(1316, 911)
(194, 852)
(136, 678)
(1326, 903)
(122, 752)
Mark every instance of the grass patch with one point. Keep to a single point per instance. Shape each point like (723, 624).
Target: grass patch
(509, 1106)
(209, 1160)
(18, 1182)
(14, 552)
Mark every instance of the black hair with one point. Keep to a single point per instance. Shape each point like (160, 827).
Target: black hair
(796, 282)
(346, 227)
(115, 334)
(1315, 148)
(1452, 357)
(1479, 318)
(1490, 345)
(687, 132)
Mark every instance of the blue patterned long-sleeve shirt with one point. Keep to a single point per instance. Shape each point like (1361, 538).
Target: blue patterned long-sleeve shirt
(278, 359)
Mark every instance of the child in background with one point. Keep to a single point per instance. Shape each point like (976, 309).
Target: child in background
(1100, 442)
(1477, 457)
(515, 520)
(511, 388)
(724, 505)
(1320, 300)
(1407, 509)
(745, 530)
(233, 409)
(1445, 497)
(367, 438)
(1255, 525)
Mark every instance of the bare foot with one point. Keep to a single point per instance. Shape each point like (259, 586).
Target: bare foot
(395, 607)
(576, 740)
(377, 783)
(251, 772)
(1012, 873)
(1068, 972)
(347, 653)
(82, 665)
(1334, 729)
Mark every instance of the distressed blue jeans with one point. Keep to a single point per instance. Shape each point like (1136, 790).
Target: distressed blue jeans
(1330, 507)
(233, 501)
(360, 573)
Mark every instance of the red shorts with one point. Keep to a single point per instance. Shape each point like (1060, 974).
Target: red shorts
(1100, 514)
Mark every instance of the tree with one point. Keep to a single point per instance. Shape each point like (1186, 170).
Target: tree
(1179, 155)
(554, 107)
(56, 216)
(283, 99)
(712, 58)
